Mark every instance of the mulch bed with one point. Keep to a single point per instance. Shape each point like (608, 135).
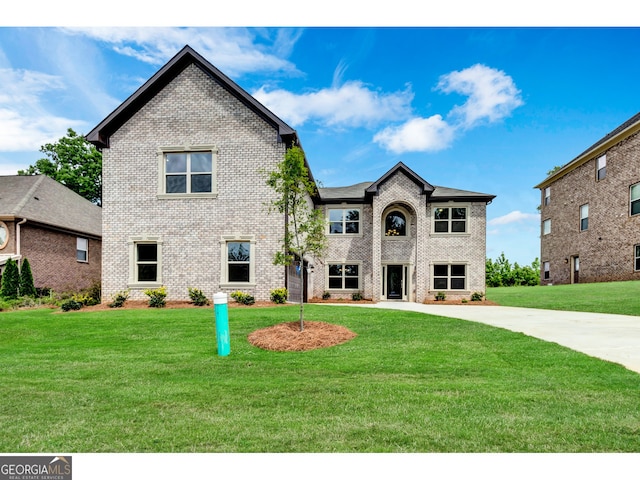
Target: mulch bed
(287, 337)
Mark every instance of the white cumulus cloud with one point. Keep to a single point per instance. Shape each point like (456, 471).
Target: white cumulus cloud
(352, 104)
(515, 217)
(492, 94)
(24, 123)
(417, 135)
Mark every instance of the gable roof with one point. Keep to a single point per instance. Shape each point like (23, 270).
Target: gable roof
(625, 130)
(401, 167)
(43, 200)
(100, 135)
(362, 192)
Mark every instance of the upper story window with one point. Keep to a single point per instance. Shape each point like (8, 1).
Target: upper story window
(344, 221)
(82, 249)
(187, 171)
(546, 227)
(450, 219)
(635, 199)
(4, 235)
(584, 217)
(601, 167)
(395, 224)
(547, 195)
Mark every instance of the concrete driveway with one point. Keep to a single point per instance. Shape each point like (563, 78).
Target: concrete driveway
(615, 338)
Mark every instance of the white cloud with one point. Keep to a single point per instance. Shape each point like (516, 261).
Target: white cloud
(515, 217)
(492, 94)
(350, 105)
(235, 51)
(24, 123)
(417, 135)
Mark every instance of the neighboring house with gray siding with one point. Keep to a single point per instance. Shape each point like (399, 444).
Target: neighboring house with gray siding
(184, 195)
(56, 229)
(590, 214)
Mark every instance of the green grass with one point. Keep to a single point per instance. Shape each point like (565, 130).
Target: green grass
(150, 381)
(608, 297)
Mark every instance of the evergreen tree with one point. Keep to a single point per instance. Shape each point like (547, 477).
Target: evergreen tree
(10, 280)
(27, 288)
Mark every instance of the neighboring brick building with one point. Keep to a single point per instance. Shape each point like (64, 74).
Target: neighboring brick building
(184, 204)
(590, 216)
(56, 229)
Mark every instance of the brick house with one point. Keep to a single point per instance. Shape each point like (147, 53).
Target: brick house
(590, 214)
(184, 194)
(56, 229)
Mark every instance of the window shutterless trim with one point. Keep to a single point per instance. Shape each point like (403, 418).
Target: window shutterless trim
(224, 260)
(344, 221)
(450, 220)
(187, 149)
(133, 261)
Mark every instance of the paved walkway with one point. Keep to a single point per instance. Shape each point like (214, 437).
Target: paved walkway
(615, 338)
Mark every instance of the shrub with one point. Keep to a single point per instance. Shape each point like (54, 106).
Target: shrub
(242, 297)
(356, 296)
(326, 296)
(27, 289)
(70, 304)
(279, 295)
(477, 296)
(157, 297)
(10, 281)
(197, 297)
(118, 299)
(440, 296)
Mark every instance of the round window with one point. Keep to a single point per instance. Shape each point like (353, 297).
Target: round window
(4, 235)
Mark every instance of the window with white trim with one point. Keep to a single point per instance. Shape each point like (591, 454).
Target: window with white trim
(450, 219)
(145, 261)
(187, 171)
(343, 276)
(545, 270)
(449, 276)
(238, 260)
(344, 221)
(82, 249)
(601, 167)
(636, 258)
(546, 227)
(635, 199)
(584, 217)
(547, 195)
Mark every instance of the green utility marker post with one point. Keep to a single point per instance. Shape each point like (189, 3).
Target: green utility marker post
(221, 313)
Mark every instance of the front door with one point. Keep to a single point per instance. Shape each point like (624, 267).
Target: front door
(394, 282)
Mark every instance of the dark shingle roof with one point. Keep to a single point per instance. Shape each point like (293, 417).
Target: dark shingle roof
(41, 199)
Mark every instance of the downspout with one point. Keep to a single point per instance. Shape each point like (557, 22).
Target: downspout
(21, 222)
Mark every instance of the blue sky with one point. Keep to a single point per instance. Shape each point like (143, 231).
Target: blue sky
(487, 109)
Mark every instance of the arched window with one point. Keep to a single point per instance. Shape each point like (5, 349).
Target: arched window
(395, 224)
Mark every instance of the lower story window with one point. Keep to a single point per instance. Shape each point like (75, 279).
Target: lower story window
(344, 276)
(637, 258)
(145, 261)
(449, 277)
(238, 260)
(546, 273)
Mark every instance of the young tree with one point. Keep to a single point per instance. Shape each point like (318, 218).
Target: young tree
(75, 163)
(27, 288)
(10, 280)
(304, 225)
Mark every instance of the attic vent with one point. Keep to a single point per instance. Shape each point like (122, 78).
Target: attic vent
(36, 198)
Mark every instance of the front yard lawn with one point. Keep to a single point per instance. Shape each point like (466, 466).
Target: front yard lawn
(150, 381)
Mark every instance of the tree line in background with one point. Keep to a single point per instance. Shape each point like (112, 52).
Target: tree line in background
(501, 273)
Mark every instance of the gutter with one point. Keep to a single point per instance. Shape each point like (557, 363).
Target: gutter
(21, 222)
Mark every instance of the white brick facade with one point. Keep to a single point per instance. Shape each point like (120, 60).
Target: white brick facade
(189, 105)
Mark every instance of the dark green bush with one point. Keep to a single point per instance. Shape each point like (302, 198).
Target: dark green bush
(27, 289)
(356, 296)
(10, 281)
(70, 304)
(477, 296)
(440, 296)
(326, 296)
